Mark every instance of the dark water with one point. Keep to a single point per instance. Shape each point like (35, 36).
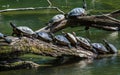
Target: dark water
(37, 19)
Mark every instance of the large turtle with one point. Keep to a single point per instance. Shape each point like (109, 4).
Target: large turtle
(22, 31)
(44, 36)
(100, 48)
(112, 49)
(2, 36)
(55, 19)
(62, 40)
(71, 38)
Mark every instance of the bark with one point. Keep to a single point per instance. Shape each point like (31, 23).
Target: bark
(27, 45)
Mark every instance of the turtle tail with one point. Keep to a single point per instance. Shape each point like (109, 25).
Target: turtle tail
(13, 25)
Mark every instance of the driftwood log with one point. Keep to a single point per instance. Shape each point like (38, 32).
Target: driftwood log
(105, 21)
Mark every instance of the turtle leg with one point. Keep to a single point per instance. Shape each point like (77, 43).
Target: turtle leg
(94, 51)
(13, 33)
(69, 46)
(76, 46)
(8, 40)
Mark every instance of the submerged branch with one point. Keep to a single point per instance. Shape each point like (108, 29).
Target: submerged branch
(50, 4)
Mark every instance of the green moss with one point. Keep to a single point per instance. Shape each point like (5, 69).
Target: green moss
(37, 58)
(5, 49)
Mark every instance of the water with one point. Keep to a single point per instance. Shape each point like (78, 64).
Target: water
(102, 66)
(37, 19)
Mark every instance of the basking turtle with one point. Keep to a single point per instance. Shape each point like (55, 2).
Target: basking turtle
(71, 38)
(99, 48)
(56, 19)
(62, 40)
(76, 12)
(84, 43)
(110, 47)
(22, 30)
(2, 36)
(44, 36)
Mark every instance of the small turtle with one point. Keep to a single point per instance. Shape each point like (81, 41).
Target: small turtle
(100, 48)
(44, 36)
(22, 30)
(56, 19)
(76, 12)
(62, 40)
(71, 38)
(2, 36)
(112, 49)
(84, 43)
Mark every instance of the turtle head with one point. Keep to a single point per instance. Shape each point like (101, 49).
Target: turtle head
(66, 16)
(104, 40)
(51, 34)
(13, 25)
(74, 33)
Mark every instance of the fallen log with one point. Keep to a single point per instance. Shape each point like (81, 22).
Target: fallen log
(38, 47)
(89, 21)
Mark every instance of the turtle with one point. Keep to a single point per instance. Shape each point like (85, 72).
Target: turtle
(21, 31)
(62, 40)
(84, 43)
(55, 19)
(44, 36)
(110, 47)
(100, 48)
(79, 11)
(2, 36)
(71, 38)
(76, 12)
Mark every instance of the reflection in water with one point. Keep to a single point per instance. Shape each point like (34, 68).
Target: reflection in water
(113, 35)
(93, 4)
(107, 65)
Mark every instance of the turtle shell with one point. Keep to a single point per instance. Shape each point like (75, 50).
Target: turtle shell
(57, 18)
(62, 40)
(44, 36)
(25, 29)
(84, 42)
(100, 48)
(76, 12)
(71, 38)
